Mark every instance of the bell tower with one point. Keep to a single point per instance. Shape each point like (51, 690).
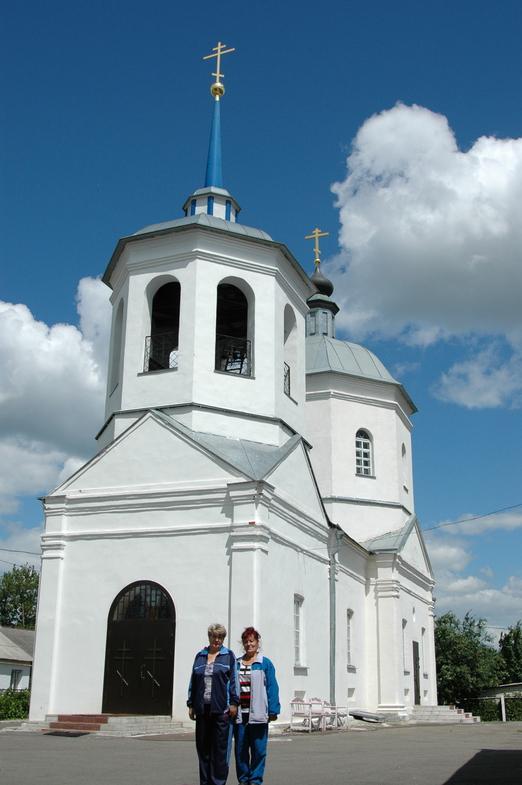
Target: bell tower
(208, 318)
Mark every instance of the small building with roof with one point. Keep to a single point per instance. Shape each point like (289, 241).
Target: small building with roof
(253, 469)
(16, 658)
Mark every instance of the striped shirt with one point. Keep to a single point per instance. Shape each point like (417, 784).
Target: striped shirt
(244, 687)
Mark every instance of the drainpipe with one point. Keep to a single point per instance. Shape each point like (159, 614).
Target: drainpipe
(334, 547)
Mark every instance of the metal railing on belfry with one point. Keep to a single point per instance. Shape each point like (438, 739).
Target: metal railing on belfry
(161, 352)
(287, 379)
(233, 355)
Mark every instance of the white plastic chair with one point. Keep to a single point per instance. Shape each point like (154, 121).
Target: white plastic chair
(318, 715)
(330, 719)
(301, 713)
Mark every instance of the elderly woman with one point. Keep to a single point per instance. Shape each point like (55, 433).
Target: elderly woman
(213, 700)
(260, 705)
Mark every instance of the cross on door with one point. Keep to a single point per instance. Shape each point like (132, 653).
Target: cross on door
(122, 658)
(154, 657)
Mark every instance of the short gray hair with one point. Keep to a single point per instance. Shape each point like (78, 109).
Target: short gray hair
(217, 629)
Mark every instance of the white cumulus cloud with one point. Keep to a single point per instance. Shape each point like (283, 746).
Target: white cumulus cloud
(52, 391)
(431, 244)
(463, 585)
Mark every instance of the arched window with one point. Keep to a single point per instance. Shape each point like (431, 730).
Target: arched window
(161, 346)
(142, 601)
(116, 348)
(290, 348)
(233, 347)
(405, 472)
(363, 453)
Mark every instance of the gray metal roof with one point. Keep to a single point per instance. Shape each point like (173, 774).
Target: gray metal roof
(254, 459)
(391, 541)
(207, 223)
(206, 220)
(16, 645)
(331, 354)
(324, 354)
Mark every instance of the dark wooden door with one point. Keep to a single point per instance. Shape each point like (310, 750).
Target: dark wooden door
(416, 673)
(139, 665)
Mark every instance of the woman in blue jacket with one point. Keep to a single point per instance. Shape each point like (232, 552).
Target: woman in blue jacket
(213, 699)
(260, 705)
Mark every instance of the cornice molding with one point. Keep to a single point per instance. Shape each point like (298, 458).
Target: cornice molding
(381, 403)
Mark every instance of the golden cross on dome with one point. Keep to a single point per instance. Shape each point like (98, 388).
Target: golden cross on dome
(219, 50)
(317, 233)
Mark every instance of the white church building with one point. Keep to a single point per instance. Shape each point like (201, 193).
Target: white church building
(252, 469)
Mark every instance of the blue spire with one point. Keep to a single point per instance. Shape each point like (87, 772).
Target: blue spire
(213, 175)
(213, 199)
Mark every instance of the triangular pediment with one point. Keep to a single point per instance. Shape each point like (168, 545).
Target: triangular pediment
(294, 478)
(407, 542)
(413, 551)
(153, 452)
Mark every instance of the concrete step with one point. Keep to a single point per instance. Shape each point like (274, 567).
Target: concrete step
(442, 714)
(106, 724)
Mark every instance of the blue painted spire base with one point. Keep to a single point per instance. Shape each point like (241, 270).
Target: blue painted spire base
(213, 177)
(213, 201)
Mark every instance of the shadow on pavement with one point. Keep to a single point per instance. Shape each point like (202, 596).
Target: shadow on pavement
(490, 767)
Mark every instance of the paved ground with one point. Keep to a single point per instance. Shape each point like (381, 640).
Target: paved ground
(428, 755)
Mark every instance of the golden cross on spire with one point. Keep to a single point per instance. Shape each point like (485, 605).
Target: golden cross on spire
(219, 50)
(317, 233)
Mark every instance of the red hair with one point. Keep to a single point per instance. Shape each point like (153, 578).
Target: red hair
(248, 632)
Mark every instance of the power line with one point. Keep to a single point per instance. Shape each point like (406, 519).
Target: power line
(16, 550)
(475, 518)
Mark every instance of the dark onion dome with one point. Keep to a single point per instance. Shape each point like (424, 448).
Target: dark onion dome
(324, 285)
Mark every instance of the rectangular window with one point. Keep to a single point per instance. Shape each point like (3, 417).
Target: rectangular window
(325, 322)
(349, 630)
(16, 677)
(405, 659)
(298, 630)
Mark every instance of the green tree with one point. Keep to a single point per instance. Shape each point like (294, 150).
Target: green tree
(510, 645)
(466, 663)
(18, 597)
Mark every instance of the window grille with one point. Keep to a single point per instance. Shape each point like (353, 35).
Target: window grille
(161, 352)
(363, 453)
(233, 355)
(287, 379)
(143, 601)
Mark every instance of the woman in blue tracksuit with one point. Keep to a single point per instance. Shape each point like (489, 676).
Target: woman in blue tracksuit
(213, 699)
(260, 705)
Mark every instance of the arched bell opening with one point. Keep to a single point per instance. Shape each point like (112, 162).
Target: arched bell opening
(234, 328)
(290, 349)
(161, 347)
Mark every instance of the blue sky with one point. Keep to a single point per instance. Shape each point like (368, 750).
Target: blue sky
(105, 130)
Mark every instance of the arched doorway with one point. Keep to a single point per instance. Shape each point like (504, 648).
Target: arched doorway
(139, 662)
